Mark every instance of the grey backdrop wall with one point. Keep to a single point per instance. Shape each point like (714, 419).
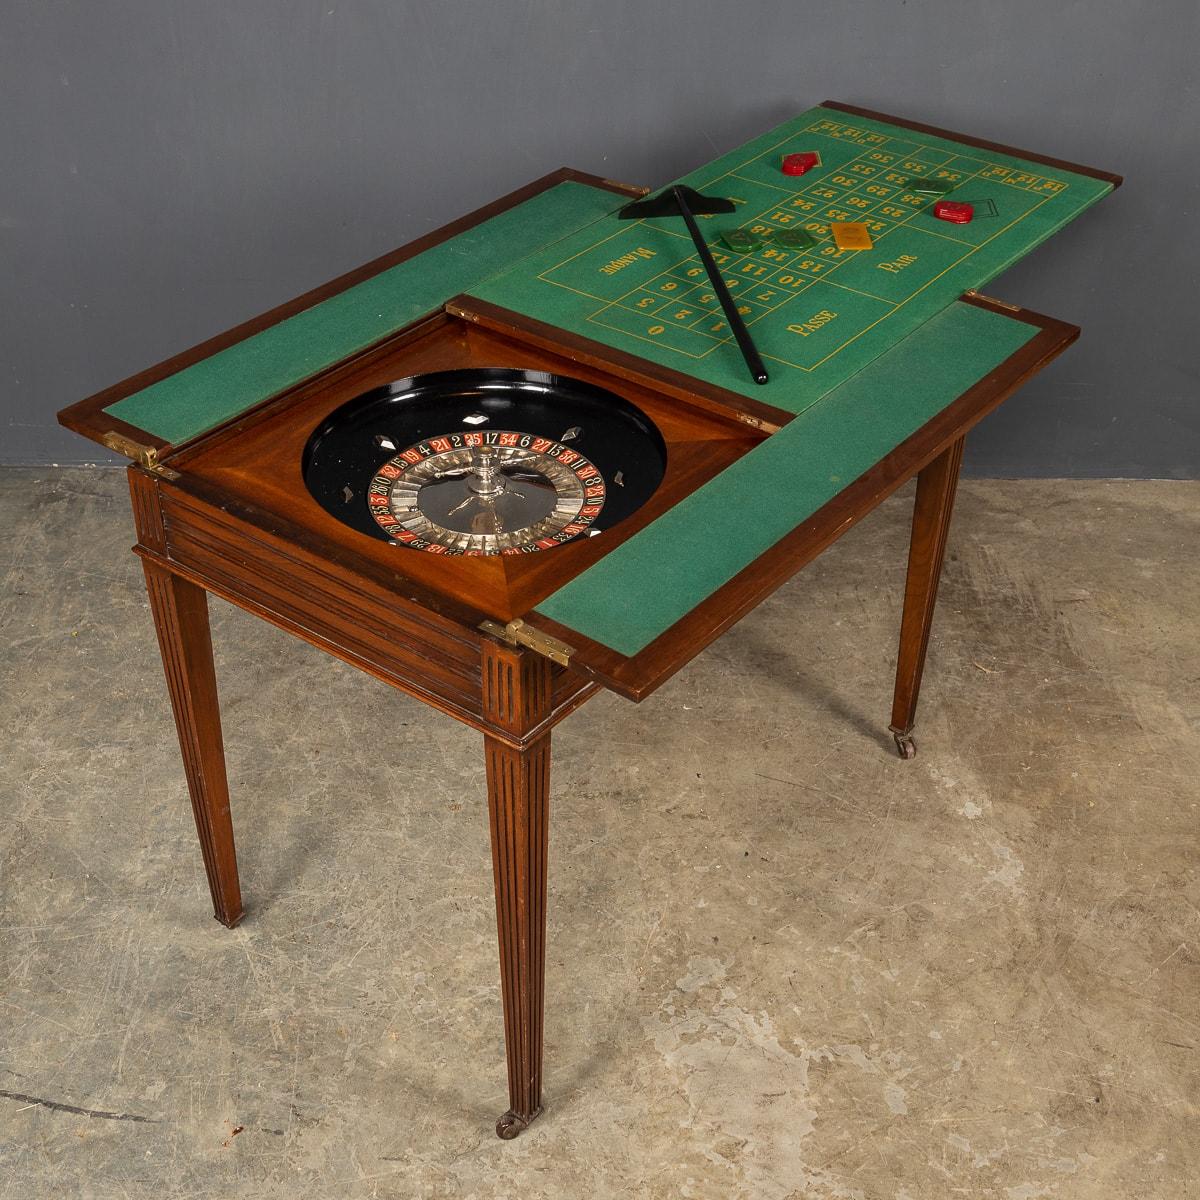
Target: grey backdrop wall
(173, 167)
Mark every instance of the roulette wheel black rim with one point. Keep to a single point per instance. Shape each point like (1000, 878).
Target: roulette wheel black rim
(484, 461)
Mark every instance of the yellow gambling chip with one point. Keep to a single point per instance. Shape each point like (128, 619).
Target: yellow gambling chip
(850, 235)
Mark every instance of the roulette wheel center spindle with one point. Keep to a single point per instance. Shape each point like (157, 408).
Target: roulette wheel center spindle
(486, 480)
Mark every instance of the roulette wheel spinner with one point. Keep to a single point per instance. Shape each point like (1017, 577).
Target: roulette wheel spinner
(582, 460)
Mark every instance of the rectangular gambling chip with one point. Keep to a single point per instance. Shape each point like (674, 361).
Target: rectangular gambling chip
(850, 235)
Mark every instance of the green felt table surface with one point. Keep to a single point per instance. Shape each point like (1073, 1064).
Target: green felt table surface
(646, 584)
(218, 388)
(818, 315)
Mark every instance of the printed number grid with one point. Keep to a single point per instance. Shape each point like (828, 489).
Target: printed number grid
(869, 188)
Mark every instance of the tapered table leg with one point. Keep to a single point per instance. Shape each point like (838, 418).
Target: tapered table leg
(936, 486)
(516, 687)
(180, 611)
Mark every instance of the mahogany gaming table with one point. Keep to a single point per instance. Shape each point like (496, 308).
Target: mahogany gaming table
(880, 362)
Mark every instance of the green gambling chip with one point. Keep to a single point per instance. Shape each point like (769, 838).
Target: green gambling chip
(795, 239)
(741, 240)
(930, 187)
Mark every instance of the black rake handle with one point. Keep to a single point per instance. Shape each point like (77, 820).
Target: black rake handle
(745, 342)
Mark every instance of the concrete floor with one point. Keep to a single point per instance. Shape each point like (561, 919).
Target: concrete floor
(782, 962)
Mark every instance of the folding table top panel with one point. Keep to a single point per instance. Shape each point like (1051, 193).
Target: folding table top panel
(636, 593)
(816, 315)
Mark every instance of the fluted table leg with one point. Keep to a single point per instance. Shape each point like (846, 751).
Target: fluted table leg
(516, 688)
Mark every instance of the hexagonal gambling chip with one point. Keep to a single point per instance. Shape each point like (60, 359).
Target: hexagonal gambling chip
(742, 241)
(794, 239)
(929, 187)
(800, 164)
(957, 211)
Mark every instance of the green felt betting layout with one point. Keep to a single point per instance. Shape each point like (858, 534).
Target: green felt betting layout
(817, 315)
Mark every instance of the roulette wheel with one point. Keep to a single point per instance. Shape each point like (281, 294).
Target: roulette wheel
(485, 461)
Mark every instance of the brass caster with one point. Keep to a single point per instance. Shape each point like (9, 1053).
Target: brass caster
(905, 746)
(510, 1124)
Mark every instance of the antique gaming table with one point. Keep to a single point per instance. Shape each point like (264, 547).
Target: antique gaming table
(520, 459)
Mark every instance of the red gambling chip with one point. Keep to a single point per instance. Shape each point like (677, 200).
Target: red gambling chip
(799, 164)
(957, 211)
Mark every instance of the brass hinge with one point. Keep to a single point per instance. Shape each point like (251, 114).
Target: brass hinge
(146, 456)
(992, 300)
(518, 633)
